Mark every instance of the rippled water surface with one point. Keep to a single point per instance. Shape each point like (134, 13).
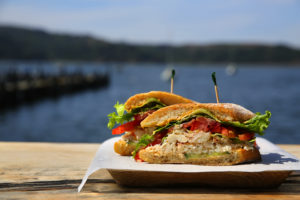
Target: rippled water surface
(81, 117)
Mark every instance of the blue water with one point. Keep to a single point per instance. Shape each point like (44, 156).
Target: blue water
(81, 117)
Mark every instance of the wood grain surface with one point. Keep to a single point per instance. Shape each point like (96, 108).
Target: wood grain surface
(54, 171)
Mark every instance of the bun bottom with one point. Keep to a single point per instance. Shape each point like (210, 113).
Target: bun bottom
(123, 148)
(235, 157)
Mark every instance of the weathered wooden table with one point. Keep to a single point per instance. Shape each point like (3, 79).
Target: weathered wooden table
(54, 171)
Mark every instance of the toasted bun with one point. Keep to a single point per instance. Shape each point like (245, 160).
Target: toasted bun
(165, 97)
(223, 111)
(123, 148)
(235, 157)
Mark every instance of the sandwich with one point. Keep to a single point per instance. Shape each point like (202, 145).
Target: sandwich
(133, 112)
(202, 134)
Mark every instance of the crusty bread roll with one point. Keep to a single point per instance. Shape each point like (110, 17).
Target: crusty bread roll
(170, 152)
(237, 156)
(165, 97)
(223, 111)
(122, 147)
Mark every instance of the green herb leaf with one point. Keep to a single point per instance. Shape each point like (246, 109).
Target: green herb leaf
(169, 125)
(143, 142)
(120, 108)
(217, 135)
(119, 117)
(236, 140)
(253, 140)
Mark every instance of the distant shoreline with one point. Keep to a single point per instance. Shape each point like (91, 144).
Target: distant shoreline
(178, 64)
(32, 44)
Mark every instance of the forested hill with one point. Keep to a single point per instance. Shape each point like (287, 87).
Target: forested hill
(21, 43)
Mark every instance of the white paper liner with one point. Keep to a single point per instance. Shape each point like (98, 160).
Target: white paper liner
(273, 159)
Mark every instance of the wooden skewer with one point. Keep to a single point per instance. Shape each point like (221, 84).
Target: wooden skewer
(217, 94)
(213, 75)
(172, 80)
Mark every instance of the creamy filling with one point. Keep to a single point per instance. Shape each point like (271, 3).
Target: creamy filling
(185, 142)
(135, 135)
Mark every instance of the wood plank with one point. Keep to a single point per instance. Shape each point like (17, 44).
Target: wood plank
(113, 191)
(269, 179)
(100, 185)
(109, 190)
(26, 162)
(292, 149)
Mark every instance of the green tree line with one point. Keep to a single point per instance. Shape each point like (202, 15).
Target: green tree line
(29, 44)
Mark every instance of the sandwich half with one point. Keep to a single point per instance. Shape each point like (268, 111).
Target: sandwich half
(203, 134)
(137, 108)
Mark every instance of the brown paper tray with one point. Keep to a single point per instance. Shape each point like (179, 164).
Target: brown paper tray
(266, 179)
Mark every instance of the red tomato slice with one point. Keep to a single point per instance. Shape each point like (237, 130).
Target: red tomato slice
(246, 136)
(215, 127)
(195, 125)
(158, 138)
(137, 157)
(129, 126)
(170, 129)
(188, 124)
(141, 117)
(228, 132)
(199, 123)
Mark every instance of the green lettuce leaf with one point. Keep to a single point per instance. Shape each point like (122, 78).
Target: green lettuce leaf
(119, 117)
(143, 142)
(257, 124)
(151, 104)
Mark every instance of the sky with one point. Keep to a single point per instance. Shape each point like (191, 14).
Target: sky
(162, 21)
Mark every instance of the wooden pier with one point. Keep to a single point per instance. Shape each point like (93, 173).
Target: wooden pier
(16, 88)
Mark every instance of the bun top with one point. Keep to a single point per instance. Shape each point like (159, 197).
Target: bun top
(164, 97)
(222, 111)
